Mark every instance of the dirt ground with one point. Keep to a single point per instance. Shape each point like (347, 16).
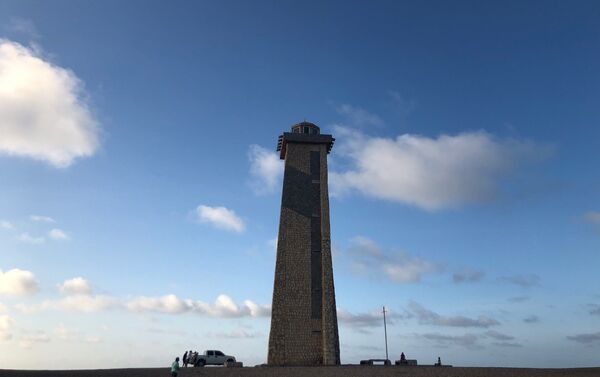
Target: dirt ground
(341, 371)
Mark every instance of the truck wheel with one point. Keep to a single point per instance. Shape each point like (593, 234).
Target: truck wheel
(229, 361)
(200, 363)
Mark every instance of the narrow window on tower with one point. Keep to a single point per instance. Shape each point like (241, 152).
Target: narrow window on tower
(316, 264)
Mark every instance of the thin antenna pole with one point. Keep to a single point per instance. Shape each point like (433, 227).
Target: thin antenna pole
(385, 332)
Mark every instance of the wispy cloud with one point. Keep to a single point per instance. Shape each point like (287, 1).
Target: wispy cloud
(58, 234)
(586, 338)
(402, 105)
(266, 170)
(507, 344)
(28, 341)
(6, 326)
(519, 298)
(24, 26)
(498, 336)
(531, 319)
(592, 217)
(430, 173)
(469, 341)
(467, 276)
(236, 334)
(5, 224)
(370, 319)
(220, 217)
(523, 281)
(357, 116)
(27, 238)
(429, 317)
(399, 267)
(595, 309)
(52, 121)
(43, 219)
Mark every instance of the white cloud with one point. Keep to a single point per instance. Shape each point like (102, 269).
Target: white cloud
(27, 238)
(43, 109)
(58, 234)
(221, 218)
(430, 173)
(42, 219)
(223, 307)
(3, 308)
(256, 310)
(5, 224)
(6, 324)
(358, 116)
(17, 282)
(399, 267)
(75, 286)
(266, 169)
(428, 317)
(82, 303)
(169, 304)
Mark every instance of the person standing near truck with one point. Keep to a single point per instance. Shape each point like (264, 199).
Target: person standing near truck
(184, 360)
(175, 367)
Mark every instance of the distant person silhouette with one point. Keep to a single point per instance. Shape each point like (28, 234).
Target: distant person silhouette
(439, 362)
(175, 367)
(402, 357)
(184, 360)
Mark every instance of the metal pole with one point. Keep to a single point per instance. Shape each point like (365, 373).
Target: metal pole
(385, 332)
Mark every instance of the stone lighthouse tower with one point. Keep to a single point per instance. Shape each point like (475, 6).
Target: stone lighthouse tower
(304, 327)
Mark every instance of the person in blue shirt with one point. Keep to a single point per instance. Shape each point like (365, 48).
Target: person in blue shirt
(175, 367)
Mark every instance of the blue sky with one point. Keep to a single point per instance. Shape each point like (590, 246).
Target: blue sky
(140, 189)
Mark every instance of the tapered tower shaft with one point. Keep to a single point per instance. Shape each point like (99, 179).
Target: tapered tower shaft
(304, 327)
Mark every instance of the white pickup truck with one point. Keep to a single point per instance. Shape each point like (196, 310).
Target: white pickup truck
(210, 357)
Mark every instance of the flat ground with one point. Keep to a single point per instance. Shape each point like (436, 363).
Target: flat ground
(342, 371)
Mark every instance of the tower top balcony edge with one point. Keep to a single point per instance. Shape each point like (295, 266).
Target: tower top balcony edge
(303, 132)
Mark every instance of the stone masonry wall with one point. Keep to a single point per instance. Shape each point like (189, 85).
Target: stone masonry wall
(304, 321)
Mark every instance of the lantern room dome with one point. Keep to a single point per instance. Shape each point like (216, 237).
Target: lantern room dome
(306, 128)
